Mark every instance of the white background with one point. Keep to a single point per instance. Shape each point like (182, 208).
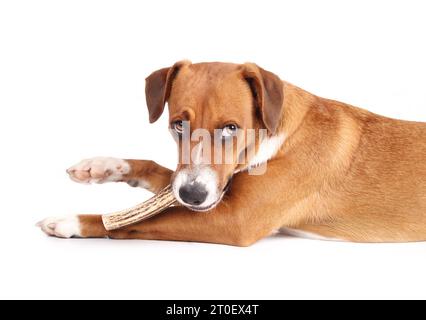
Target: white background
(72, 86)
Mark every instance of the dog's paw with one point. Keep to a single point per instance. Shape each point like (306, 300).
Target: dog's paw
(68, 227)
(99, 170)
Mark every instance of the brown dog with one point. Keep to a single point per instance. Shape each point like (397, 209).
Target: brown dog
(333, 170)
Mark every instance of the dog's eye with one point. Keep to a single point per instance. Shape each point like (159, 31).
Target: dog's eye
(178, 126)
(229, 130)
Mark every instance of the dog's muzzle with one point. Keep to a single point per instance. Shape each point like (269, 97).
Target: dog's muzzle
(199, 192)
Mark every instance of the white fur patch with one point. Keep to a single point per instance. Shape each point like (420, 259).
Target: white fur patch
(203, 175)
(99, 170)
(268, 148)
(61, 227)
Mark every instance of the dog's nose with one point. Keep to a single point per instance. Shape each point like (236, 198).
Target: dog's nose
(193, 193)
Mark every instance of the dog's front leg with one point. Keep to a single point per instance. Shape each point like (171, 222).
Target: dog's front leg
(244, 216)
(137, 173)
(223, 225)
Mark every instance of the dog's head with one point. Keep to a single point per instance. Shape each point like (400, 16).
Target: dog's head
(212, 108)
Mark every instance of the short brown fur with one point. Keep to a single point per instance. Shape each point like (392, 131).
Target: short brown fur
(342, 172)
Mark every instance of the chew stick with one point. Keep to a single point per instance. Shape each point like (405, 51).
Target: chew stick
(143, 211)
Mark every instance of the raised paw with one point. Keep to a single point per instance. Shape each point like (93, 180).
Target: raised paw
(68, 227)
(99, 170)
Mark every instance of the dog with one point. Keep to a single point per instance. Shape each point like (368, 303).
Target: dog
(333, 171)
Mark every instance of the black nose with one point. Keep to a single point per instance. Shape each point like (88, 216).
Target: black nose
(193, 194)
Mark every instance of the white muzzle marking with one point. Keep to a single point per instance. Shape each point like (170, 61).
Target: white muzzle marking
(203, 175)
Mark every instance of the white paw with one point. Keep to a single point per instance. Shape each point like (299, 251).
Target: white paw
(61, 227)
(99, 170)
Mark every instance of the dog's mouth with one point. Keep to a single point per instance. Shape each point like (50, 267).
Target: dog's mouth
(214, 204)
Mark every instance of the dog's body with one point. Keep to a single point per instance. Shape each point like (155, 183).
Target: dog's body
(334, 170)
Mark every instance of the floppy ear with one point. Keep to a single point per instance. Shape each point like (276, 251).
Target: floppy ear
(157, 89)
(267, 89)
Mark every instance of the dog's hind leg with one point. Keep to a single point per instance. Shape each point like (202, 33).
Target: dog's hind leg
(137, 173)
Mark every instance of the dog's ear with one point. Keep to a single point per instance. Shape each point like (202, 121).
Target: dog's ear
(157, 89)
(268, 93)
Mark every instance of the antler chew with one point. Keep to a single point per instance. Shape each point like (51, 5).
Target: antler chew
(143, 211)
